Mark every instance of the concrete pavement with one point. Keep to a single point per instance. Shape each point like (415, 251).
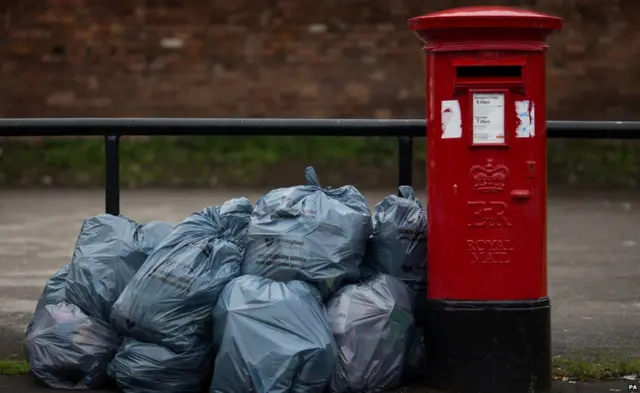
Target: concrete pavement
(25, 384)
(594, 260)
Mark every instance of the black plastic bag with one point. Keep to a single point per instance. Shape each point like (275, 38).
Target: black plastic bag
(415, 364)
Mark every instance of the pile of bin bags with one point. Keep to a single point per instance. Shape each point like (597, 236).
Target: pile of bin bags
(301, 293)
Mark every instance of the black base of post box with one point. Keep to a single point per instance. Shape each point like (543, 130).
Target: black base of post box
(488, 346)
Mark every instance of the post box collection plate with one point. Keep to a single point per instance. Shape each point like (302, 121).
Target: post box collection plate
(488, 118)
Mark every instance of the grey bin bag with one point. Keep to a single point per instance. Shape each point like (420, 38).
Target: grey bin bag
(271, 337)
(169, 300)
(371, 322)
(109, 251)
(67, 349)
(54, 289)
(309, 233)
(415, 364)
(398, 244)
(141, 367)
(53, 293)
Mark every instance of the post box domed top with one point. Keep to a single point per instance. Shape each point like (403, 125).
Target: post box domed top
(485, 17)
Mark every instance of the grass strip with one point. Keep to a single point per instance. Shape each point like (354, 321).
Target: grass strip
(14, 367)
(599, 368)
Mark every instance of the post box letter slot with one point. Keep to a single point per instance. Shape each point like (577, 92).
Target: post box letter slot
(489, 71)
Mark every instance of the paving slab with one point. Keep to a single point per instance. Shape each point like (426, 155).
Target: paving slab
(594, 259)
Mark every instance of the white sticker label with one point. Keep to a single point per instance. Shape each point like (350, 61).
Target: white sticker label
(451, 119)
(525, 114)
(488, 118)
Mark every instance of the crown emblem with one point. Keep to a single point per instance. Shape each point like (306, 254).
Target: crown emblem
(489, 178)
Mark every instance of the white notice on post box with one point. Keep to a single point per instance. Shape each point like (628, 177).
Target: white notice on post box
(488, 118)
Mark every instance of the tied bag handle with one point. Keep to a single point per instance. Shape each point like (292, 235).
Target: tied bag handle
(406, 192)
(287, 210)
(312, 177)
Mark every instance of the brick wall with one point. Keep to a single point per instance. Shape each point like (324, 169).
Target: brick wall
(278, 58)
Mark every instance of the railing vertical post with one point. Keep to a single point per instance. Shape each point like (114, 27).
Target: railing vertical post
(112, 174)
(405, 161)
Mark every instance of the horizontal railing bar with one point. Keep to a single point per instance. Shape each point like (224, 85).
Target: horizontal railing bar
(281, 127)
(593, 129)
(226, 126)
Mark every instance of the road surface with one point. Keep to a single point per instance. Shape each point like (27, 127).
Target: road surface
(594, 259)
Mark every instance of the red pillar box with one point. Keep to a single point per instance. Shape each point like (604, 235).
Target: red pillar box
(487, 321)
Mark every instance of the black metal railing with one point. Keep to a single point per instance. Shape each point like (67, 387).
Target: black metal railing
(403, 130)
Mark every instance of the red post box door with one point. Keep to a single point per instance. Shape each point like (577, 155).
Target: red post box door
(487, 191)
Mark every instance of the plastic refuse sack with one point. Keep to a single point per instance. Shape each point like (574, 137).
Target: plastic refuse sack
(109, 251)
(54, 289)
(67, 349)
(372, 323)
(169, 300)
(398, 244)
(140, 367)
(309, 233)
(416, 362)
(53, 292)
(271, 337)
